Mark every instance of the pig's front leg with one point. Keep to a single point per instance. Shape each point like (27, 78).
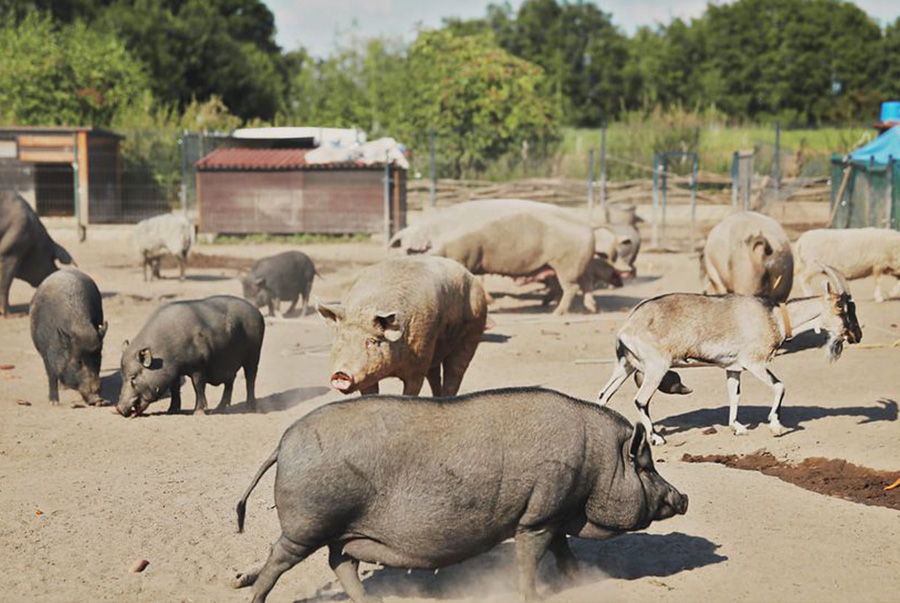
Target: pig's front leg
(175, 397)
(199, 381)
(531, 545)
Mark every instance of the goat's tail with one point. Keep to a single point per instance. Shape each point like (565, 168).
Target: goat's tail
(242, 504)
(670, 384)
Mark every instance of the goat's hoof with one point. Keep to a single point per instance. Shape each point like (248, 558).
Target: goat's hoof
(656, 439)
(739, 429)
(777, 428)
(879, 299)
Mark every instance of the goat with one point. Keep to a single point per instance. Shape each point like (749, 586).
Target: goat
(734, 332)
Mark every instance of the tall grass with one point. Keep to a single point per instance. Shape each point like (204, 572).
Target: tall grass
(631, 143)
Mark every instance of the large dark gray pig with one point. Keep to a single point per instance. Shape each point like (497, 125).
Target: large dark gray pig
(283, 277)
(207, 340)
(421, 483)
(26, 250)
(67, 328)
(407, 317)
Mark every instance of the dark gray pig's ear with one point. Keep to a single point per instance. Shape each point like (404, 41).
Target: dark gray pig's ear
(145, 357)
(260, 281)
(333, 314)
(125, 346)
(101, 330)
(62, 255)
(640, 449)
(388, 321)
(64, 337)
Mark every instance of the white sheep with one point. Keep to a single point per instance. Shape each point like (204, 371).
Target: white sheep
(855, 252)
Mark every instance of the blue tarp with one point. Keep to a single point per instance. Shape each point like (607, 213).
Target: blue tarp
(885, 146)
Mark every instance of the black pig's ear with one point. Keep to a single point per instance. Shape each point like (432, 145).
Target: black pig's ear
(640, 449)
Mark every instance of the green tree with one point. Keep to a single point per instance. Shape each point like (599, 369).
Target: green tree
(804, 60)
(69, 76)
(196, 49)
(480, 101)
(582, 53)
(890, 53)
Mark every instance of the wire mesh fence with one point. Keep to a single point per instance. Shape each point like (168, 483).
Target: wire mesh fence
(130, 175)
(865, 194)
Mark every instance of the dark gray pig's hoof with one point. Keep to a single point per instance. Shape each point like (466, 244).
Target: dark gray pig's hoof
(242, 580)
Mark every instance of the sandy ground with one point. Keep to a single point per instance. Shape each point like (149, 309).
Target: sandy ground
(85, 492)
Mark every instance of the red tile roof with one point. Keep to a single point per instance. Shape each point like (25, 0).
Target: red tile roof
(265, 159)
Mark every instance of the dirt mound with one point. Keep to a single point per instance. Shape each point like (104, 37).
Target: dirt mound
(834, 477)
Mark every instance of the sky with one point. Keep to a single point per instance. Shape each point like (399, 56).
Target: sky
(321, 25)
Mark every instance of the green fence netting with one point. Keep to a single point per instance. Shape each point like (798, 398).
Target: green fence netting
(869, 194)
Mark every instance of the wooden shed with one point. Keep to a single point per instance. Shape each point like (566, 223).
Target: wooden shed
(275, 191)
(61, 171)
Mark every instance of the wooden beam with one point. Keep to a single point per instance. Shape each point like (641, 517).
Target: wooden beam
(45, 156)
(30, 140)
(83, 168)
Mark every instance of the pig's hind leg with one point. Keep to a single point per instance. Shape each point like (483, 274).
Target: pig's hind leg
(283, 556)
(226, 395)
(346, 568)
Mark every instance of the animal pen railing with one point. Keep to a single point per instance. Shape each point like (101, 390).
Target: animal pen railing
(865, 194)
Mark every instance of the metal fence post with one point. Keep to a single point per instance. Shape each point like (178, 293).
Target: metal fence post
(734, 180)
(182, 142)
(654, 239)
(889, 192)
(590, 185)
(433, 173)
(387, 198)
(603, 202)
(664, 167)
(79, 227)
(694, 169)
(777, 171)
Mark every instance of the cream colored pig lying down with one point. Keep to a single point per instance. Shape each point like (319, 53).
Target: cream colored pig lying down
(855, 252)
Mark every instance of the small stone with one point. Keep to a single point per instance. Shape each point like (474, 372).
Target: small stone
(138, 566)
(709, 431)
(23, 402)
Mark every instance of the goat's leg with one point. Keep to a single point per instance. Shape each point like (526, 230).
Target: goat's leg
(767, 377)
(733, 377)
(652, 378)
(805, 279)
(623, 370)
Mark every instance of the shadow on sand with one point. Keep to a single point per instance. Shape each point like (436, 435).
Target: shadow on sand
(791, 416)
(111, 385)
(628, 557)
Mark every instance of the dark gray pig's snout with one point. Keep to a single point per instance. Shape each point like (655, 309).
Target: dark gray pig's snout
(681, 503)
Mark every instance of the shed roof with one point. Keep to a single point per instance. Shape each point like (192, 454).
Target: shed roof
(58, 130)
(268, 159)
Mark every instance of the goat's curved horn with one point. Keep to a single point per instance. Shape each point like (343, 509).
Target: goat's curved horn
(836, 279)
